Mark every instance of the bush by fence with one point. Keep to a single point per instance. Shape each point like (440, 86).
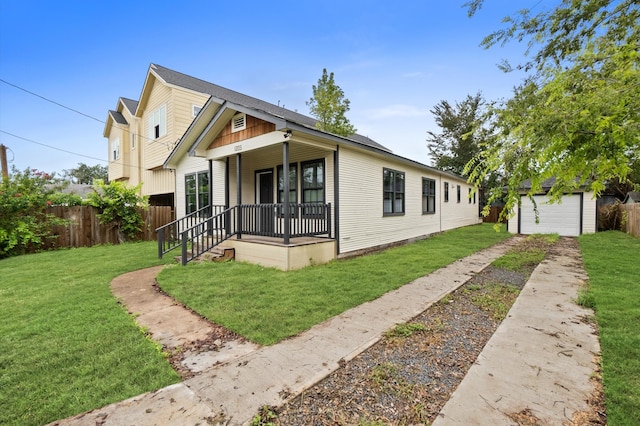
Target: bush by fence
(84, 228)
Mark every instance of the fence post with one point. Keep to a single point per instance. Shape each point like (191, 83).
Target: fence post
(328, 214)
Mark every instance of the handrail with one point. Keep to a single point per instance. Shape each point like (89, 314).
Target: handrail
(169, 234)
(207, 234)
(196, 237)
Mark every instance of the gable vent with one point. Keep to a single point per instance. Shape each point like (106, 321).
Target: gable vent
(239, 122)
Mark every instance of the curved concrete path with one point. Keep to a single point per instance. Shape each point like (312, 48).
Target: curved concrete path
(232, 392)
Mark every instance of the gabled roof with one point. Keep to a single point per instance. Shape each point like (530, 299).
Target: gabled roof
(130, 104)
(223, 94)
(118, 117)
(632, 197)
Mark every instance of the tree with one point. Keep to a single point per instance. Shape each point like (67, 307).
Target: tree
(576, 117)
(329, 106)
(119, 207)
(87, 174)
(24, 222)
(462, 132)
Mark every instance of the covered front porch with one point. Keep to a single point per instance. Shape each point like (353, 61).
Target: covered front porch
(256, 219)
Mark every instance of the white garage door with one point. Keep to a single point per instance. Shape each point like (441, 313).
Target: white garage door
(563, 219)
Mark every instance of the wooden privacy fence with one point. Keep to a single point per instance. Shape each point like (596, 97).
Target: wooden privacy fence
(494, 214)
(84, 228)
(631, 212)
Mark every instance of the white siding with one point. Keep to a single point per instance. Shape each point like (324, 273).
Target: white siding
(193, 165)
(589, 213)
(362, 223)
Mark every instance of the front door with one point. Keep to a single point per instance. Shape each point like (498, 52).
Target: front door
(266, 214)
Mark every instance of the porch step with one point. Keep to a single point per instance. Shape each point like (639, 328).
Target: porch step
(216, 254)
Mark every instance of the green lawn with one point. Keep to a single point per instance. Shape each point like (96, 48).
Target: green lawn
(66, 346)
(612, 260)
(266, 305)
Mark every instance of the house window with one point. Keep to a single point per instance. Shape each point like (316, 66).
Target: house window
(313, 181)
(239, 122)
(458, 193)
(115, 149)
(196, 187)
(474, 197)
(393, 192)
(293, 184)
(428, 195)
(446, 192)
(195, 109)
(158, 123)
(133, 141)
(469, 196)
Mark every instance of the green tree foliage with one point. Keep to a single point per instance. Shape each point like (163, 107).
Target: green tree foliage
(87, 174)
(24, 222)
(577, 116)
(329, 106)
(463, 129)
(120, 206)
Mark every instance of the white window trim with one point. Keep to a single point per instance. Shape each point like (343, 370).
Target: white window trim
(158, 118)
(238, 122)
(115, 149)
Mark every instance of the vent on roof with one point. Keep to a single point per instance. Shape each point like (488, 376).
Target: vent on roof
(239, 122)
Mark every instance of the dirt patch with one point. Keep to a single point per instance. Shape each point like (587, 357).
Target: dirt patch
(409, 375)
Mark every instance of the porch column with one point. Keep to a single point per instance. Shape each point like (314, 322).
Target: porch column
(285, 198)
(227, 219)
(210, 194)
(336, 198)
(239, 186)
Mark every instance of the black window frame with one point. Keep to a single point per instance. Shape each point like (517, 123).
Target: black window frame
(446, 192)
(393, 191)
(469, 195)
(459, 194)
(200, 197)
(428, 193)
(320, 190)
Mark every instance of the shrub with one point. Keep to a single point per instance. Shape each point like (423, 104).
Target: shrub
(119, 207)
(24, 223)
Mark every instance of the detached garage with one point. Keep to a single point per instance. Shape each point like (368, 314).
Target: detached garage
(575, 215)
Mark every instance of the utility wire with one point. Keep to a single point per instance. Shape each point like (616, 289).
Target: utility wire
(53, 147)
(64, 150)
(53, 102)
(167, 143)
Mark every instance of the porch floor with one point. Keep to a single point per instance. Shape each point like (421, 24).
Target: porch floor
(276, 241)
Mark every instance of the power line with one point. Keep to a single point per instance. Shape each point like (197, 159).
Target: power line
(52, 101)
(166, 143)
(53, 147)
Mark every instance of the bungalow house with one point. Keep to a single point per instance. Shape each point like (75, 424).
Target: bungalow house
(575, 215)
(263, 180)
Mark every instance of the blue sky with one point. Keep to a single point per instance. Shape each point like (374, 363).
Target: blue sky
(394, 61)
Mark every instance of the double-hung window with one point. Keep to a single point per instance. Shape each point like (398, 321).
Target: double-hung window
(158, 123)
(446, 192)
(428, 196)
(469, 196)
(312, 185)
(293, 184)
(393, 192)
(115, 149)
(196, 186)
(458, 193)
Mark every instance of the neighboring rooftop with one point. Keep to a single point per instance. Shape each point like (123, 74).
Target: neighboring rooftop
(632, 197)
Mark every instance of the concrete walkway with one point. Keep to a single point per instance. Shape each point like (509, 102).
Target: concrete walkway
(539, 362)
(231, 393)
